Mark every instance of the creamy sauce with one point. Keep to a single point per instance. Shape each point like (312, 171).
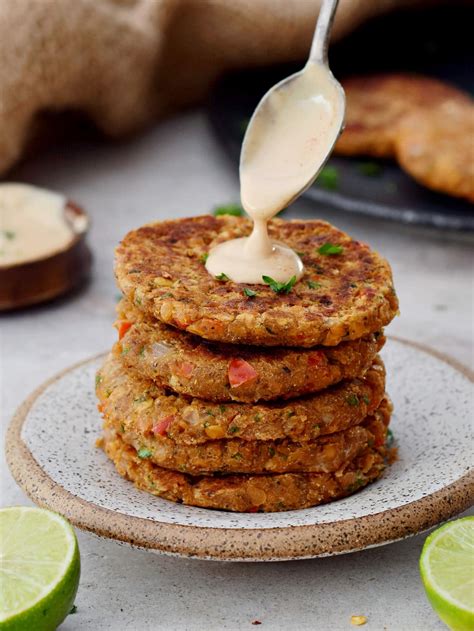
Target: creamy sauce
(33, 224)
(288, 140)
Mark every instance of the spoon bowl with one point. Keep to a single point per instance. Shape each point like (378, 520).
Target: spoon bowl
(293, 129)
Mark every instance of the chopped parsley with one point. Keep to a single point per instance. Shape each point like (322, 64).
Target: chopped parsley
(250, 293)
(313, 285)
(203, 258)
(301, 254)
(228, 209)
(98, 379)
(223, 277)
(279, 288)
(144, 453)
(244, 123)
(233, 429)
(329, 249)
(390, 438)
(371, 169)
(329, 178)
(353, 400)
(141, 352)
(73, 610)
(222, 409)
(237, 456)
(366, 399)
(271, 451)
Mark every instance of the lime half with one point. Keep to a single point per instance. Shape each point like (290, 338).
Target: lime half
(39, 569)
(447, 571)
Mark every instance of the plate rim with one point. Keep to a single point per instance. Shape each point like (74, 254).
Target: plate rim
(234, 544)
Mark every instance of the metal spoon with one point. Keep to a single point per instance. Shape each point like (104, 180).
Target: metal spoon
(256, 140)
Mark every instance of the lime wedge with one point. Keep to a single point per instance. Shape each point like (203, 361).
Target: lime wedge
(39, 569)
(447, 571)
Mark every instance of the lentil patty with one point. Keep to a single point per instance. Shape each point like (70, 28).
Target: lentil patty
(376, 104)
(124, 394)
(224, 372)
(323, 455)
(340, 297)
(244, 493)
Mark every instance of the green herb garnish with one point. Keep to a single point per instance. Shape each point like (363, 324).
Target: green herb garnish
(390, 438)
(279, 288)
(98, 379)
(223, 277)
(229, 209)
(353, 400)
(250, 293)
(244, 123)
(73, 610)
(329, 249)
(313, 285)
(372, 169)
(203, 258)
(366, 399)
(144, 453)
(329, 178)
(237, 456)
(233, 429)
(222, 409)
(271, 451)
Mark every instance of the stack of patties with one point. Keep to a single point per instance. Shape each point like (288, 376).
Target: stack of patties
(247, 397)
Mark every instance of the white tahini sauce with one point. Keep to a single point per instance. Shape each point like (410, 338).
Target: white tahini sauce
(33, 224)
(287, 143)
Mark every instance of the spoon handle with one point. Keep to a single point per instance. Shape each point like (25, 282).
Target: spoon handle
(322, 33)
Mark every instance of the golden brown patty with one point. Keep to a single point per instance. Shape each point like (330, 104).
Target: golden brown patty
(437, 148)
(244, 493)
(376, 104)
(224, 372)
(323, 455)
(346, 296)
(147, 407)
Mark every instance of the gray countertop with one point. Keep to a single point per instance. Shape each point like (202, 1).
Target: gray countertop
(176, 170)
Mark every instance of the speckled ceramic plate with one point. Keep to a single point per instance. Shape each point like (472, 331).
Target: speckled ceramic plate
(51, 453)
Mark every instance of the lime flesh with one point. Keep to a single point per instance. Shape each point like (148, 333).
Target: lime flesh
(39, 569)
(447, 571)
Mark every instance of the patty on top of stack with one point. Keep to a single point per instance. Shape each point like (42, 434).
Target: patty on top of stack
(247, 397)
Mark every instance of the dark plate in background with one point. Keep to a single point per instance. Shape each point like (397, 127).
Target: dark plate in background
(436, 42)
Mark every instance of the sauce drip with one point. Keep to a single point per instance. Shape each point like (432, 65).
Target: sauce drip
(287, 143)
(33, 224)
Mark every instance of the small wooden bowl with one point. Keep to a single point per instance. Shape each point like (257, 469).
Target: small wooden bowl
(25, 284)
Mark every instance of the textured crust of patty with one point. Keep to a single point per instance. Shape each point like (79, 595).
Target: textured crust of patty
(224, 372)
(437, 148)
(147, 407)
(343, 297)
(244, 493)
(376, 104)
(323, 455)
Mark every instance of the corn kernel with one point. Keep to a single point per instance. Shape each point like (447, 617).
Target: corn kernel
(358, 621)
(215, 431)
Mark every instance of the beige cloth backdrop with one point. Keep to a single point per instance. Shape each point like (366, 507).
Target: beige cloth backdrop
(124, 62)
